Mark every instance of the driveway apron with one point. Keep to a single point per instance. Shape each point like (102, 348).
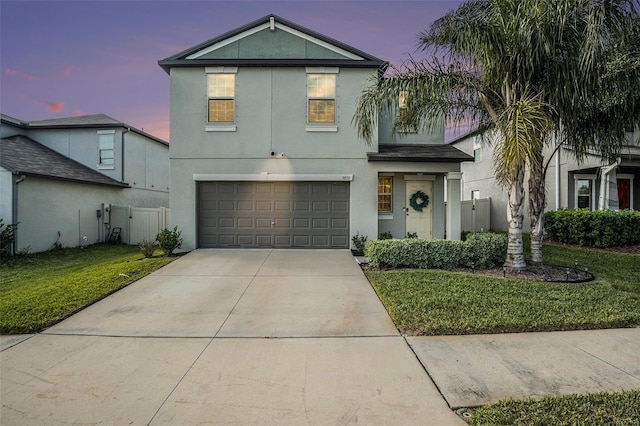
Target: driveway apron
(226, 337)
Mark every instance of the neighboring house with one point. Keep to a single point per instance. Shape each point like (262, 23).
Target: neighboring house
(58, 178)
(264, 153)
(569, 184)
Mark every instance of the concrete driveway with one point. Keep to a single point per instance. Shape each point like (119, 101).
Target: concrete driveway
(226, 337)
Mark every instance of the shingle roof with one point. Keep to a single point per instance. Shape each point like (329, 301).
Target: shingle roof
(22, 155)
(180, 59)
(84, 121)
(419, 153)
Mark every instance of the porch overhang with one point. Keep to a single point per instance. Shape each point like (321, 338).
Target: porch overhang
(418, 153)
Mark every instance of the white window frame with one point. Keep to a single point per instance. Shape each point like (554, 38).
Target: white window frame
(475, 194)
(320, 126)
(390, 194)
(477, 149)
(222, 126)
(592, 179)
(101, 165)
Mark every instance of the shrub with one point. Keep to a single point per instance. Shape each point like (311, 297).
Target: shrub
(385, 235)
(148, 247)
(481, 250)
(411, 235)
(169, 240)
(599, 228)
(359, 242)
(7, 236)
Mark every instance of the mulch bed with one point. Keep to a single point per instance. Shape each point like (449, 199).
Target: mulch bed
(538, 272)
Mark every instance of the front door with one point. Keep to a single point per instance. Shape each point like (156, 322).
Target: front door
(419, 209)
(624, 194)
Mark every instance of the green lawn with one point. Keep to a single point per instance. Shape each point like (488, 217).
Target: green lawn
(41, 289)
(430, 302)
(572, 410)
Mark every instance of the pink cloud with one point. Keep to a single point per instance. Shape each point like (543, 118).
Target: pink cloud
(54, 107)
(30, 77)
(11, 72)
(68, 71)
(15, 73)
(79, 112)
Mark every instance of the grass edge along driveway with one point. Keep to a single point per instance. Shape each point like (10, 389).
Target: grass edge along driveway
(41, 289)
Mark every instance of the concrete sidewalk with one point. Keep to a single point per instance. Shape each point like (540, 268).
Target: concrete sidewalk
(227, 337)
(282, 337)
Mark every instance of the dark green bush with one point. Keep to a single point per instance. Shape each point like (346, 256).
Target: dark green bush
(169, 240)
(599, 228)
(480, 250)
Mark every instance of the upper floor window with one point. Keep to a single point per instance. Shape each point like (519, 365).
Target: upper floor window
(477, 149)
(221, 94)
(106, 144)
(385, 188)
(321, 98)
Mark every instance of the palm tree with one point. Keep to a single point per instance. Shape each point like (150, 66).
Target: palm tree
(517, 68)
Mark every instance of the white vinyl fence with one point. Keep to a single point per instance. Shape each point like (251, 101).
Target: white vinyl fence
(476, 214)
(138, 224)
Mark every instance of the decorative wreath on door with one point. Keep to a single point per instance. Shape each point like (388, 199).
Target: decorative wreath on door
(419, 200)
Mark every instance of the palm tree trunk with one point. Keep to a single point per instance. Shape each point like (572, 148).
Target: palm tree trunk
(537, 203)
(515, 217)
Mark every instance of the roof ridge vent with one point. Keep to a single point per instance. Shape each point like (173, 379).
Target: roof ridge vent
(272, 23)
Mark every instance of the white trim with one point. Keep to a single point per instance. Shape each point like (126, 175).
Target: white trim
(420, 177)
(282, 27)
(385, 216)
(106, 132)
(322, 70)
(631, 178)
(223, 128)
(454, 175)
(265, 176)
(321, 128)
(319, 42)
(229, 41)
(221, 70)
(592, 178)
(104, 167)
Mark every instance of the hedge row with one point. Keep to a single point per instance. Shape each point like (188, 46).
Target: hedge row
(599, 228)
(480, 250)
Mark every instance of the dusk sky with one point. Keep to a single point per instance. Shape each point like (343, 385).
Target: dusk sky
(67, 58)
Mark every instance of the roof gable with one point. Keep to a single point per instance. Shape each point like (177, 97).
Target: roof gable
(22, 155)
(272, 40)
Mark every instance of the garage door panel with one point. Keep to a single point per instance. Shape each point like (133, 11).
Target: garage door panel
(320, 223)
(273, 214)
(264, 206)
(301, 223)
(339, 224)
(320, 206)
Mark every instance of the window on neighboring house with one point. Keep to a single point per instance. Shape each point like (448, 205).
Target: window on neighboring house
(385, 188)
(477, 149)
(475, 195)
(221, 94)
(584, 193)
(402, 114)
(321, 98)
(106, 143)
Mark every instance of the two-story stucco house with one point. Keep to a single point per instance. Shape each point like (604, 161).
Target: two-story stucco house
(569, 184)
(263, 152)
(59, 177)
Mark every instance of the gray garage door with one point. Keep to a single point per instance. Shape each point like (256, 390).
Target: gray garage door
(273, 214)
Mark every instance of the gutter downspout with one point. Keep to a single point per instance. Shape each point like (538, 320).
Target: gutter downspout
(14, 213)
(604, 184)
(126, 130)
